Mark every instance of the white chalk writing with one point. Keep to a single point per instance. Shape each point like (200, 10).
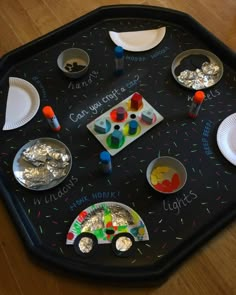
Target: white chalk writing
(209, 96)
(98, 196)
(112, 96)
(47, 199)
(205, 137)
(177, 204)
(78, 85)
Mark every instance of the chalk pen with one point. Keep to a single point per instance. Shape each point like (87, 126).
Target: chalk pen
(119, 60)
(105, 159)
(51, 118)
(196, 104)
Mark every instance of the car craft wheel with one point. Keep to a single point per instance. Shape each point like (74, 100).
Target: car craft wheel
(123, 244)
(85, 244)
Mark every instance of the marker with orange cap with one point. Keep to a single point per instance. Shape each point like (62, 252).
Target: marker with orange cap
(51, 118)
(196, 104)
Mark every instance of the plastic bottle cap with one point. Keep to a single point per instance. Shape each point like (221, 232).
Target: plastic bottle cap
(199, 96)
(119, 51)
(48, 112)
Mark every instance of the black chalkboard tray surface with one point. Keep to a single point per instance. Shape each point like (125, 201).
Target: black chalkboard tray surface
(162, 229)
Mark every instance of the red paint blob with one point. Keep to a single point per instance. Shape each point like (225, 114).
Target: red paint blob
(167, 186)
(82, 215)
(109, 224)
(70, 236)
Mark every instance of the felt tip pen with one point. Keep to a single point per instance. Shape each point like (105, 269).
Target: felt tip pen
(51, 118)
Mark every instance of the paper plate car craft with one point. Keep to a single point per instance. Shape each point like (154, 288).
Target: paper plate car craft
(104, 223)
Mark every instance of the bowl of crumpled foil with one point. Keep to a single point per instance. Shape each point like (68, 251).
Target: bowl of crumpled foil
(42, 163)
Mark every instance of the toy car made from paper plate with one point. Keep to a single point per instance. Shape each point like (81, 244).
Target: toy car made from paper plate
(107, 222)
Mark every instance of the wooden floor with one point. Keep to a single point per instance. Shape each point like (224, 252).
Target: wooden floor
(212, 270)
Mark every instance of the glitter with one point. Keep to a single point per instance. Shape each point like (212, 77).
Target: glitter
(140, 252)
(227, 172)
(208, 211)
(40, 228)
(163, 246)
(178, 238)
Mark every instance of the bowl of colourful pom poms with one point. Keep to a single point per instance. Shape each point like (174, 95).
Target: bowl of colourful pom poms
(166, 175)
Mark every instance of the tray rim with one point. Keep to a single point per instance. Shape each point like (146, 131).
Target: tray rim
(121, 11)
(30, 237)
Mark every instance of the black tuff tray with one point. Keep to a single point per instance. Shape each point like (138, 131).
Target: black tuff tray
(177, 224)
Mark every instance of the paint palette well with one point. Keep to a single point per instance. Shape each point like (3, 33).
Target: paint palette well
(124, 123)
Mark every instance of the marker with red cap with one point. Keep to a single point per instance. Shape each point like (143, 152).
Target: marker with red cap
(51, 118)
(196, 104)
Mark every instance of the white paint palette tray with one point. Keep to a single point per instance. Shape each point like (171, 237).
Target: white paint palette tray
(124, 123)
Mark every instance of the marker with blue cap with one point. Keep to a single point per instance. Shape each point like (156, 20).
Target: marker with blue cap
(119, 60)
(105, 159)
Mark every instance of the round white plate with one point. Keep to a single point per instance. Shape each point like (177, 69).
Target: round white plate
(138, 41)
(226, 138)
(22, 103)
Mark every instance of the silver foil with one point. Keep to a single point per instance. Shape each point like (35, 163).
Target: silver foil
(48, 164)
(200, 78)
(95, 220)
(123, 243)
(85, 245)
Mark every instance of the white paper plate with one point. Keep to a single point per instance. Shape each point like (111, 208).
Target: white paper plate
(22, 103)
(226, 138)
(138, 40)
